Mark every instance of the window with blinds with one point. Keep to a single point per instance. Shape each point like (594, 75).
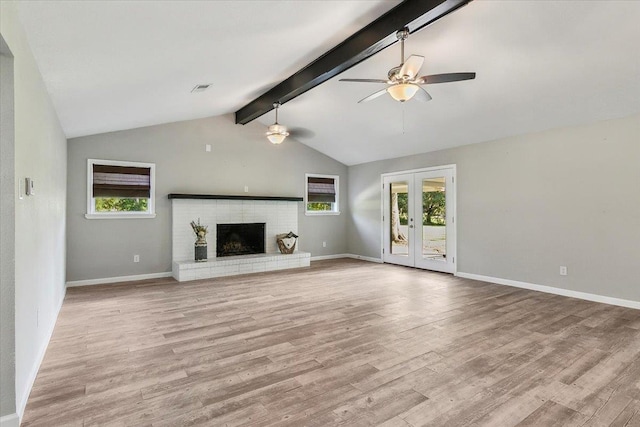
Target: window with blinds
(321, 195)
(116, 188)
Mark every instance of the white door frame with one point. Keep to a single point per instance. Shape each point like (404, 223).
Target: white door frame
(451, 167)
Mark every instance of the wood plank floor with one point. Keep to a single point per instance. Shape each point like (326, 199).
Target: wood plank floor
(344, 342)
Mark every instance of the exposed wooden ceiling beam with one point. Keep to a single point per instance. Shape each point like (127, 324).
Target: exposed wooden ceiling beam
(381, 33)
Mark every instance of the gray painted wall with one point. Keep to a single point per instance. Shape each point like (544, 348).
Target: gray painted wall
(240, 156)
(7, 236)
(528, 204)
(40, 153)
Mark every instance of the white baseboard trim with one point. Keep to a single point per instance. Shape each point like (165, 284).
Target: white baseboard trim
(21, 401)
(551, 290)
(324, 257)
(11, 420)
(337, 256)
(107, 280)
(365, 258)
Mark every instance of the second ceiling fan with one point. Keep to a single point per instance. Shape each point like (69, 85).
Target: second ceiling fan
(403, 82)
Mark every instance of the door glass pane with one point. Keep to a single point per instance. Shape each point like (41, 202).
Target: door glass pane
(434, 230)
(399, 218)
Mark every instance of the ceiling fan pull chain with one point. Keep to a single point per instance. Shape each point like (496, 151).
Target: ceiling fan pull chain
(402, 103)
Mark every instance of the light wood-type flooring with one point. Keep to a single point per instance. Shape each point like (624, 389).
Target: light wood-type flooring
(344, 342)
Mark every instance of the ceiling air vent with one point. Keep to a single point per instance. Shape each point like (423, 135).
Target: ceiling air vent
(200, 88)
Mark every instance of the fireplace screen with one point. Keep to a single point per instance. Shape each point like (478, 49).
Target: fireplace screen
(239, 239)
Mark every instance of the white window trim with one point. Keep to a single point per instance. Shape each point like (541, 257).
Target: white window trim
(336, 178)
(92, 214)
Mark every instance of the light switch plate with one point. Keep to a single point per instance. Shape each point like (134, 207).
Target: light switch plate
(29, 189)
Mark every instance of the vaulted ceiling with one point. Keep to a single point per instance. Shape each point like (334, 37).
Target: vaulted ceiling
(112, 65)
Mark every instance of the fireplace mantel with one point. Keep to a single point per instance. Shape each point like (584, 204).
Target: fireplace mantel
(232, 197)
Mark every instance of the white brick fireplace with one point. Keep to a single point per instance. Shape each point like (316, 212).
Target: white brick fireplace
(279, 214)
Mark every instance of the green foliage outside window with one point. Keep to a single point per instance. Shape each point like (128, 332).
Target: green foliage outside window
(433, 208)
(403, 209)
(117, 204)
(319, 206)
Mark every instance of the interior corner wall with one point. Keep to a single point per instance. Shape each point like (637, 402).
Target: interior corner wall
(7, 235)
(40, 153)
(528, 204)
(241, 156)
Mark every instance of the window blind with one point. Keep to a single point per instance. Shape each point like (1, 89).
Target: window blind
(121, 181)
(321, 190)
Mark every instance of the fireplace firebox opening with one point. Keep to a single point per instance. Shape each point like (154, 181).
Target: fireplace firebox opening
(240, 239)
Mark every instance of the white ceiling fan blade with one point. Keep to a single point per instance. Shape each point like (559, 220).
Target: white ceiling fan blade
(422, 95)
(374, 95)
(411, 66)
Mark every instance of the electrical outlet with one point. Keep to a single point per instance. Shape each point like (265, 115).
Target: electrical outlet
(563, 270)
(246, 188)
(136, 258)
(207, 148)
(324, 244)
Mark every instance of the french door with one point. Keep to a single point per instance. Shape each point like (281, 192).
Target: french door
(419, 219)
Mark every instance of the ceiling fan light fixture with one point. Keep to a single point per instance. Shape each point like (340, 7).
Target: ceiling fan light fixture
(403, 91)
(276, 133)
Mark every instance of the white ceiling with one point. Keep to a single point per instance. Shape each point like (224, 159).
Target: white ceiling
(112, 65)
(118, 65)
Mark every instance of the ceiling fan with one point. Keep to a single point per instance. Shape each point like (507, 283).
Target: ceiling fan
(276, 133)
(403, 82)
